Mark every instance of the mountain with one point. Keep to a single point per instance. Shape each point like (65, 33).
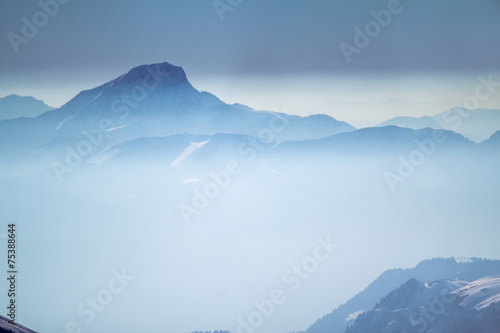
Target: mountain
(477, 125)
(6, 327)
(372, 145)
(442, 306)
(15, 106)
(426, 271)
(171, 149)
(412, 122)
(156, 100)
(168, 148)
(378, 141)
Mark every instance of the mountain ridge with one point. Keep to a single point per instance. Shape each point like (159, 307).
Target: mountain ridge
(425, 271)
(442, 306)
(16, 106)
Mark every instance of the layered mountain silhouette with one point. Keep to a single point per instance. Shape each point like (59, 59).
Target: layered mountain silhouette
(411, 122)
(476, 125)
(155, 100)
(15, 106)
(146, 105)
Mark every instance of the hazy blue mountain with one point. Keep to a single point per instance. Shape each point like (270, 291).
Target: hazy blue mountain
(376, 141)
(412, 122)
(371, 144)
(442, 306)
(426, 271)
(364, 142)
(477, 125)
(15, 106)
(157, 100)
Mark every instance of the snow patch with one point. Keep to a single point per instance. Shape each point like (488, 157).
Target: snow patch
(463, 261)
(480, 293)
(188, 181)
(194, 146)
(115, 128)
(354, 315)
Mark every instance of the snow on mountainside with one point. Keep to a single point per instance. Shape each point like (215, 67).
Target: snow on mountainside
(480, 294)
(426, 271)
(440, 307)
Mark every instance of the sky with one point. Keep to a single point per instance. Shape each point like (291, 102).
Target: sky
(292, 56)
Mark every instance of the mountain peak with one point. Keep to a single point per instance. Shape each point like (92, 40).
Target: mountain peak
(160, 72)
(137, 82)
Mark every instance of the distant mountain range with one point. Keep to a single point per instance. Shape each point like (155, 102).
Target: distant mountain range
(476, 125)
(178, 150)
(425, 272)
(154, 112)
(411, 122)
(157, 100)
(15, 106)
